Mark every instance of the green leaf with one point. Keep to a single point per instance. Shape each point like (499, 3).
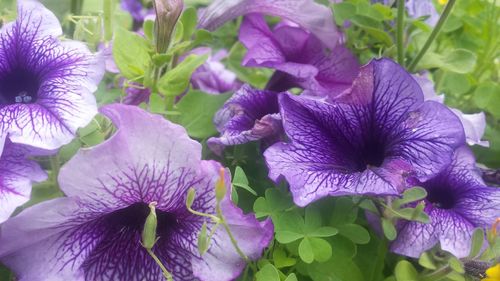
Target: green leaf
(272, 204)
(477, 242)
(189, 20)
(197, 110)
(411, 195)
(324, 231)
(344, 211)
(487, 97)
(459, 61)
(281, 260)
(405, 271)
(175, 81)
(306, 251)
(285, 236)
(322, 250)
(373, 28)
(456, 265)
(355, 233)
(241, 180)
(291, 277)
(312, 219)
(389, 229)
(335, 269)
(426, 261)
(131, 53)
(268, 273)
(343, 11)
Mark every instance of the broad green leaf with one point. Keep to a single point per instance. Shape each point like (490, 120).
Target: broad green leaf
(456, 265)
(322, 250)
(324, 231)
(343, 11)
(131, 53)
(459, 61)
(335, 269)
(197, 110)
(355, 233)
(272, 204)
(175, 81)
(344, 211)
(487, 97)
(291, 277)
(306, 251)
(189, 20)
(268, 273)
(405, 271)
(285, 236)
(312, 219)
(426, 261)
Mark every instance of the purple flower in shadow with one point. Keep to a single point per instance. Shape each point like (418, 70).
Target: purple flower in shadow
(457, 202)
(368, 147)
(95, 232)
(46, 85)
(300, 58)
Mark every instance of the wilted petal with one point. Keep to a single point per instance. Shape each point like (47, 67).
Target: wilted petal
(248, 115)
(311, 16)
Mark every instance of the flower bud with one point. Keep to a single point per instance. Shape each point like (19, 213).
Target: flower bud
(220, 186)
(149, 231)
(167, 14)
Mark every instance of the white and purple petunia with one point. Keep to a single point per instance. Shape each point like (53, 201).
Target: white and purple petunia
(17, 174)
(300, 58)
(314, 17)
(249, 115)
(370, 147)
(457, 202)
(94, 234)
(46, 85)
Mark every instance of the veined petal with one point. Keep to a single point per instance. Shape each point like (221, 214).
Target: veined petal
(316, 18)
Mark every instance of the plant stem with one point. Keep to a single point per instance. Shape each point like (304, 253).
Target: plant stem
(400, 32)
(108, 20)
(434, 34)
(166, 274)
(54, 169)
(75, 9)
(438, 274)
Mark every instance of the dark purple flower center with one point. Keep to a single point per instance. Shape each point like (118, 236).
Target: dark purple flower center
(133, 217)
(372, 153)
(440, 196)
(19, 85)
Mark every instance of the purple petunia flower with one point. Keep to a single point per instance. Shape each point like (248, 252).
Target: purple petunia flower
(212, 77)
(314, 17)
(366, 148)
(474, 124)
(249, 115)
(457, 202)
(17, 174)
(299, 57)
(46, 85)
(94, 234)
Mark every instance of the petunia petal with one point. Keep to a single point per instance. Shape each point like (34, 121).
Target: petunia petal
(316, 18)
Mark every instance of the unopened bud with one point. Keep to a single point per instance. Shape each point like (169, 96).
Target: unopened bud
(220, 186)
(167, 14)
(149, 231)
(203, 239)
(190, 197)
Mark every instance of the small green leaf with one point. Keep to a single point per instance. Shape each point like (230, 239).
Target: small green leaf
(411, 195)
(456, 265)
(389, 229)
(426, 261)
(305, 251)
(285, 237)
(291, 277)
(203, 241)
(240, 180)
(281, 260)
(322, 250)
(477, 242)
(268, 273)
(175, 81)
(189, 20)
(355, 233)
(131, 53)
(458, 60)
(272, 204)
(405, 271)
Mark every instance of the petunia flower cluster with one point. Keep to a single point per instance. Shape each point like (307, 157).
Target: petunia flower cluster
(327, 127)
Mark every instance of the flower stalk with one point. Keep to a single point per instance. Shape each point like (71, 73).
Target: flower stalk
(400, 32)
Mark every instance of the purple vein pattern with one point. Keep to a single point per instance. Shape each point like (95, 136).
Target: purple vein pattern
(46, 85)
(94, 233)
(364, 148)
(457, 202)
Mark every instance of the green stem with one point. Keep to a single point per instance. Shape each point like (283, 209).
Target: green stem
(108, 20)
(166, 274)
(55, 166)
(400, 32)
(434, 34)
